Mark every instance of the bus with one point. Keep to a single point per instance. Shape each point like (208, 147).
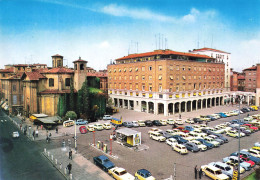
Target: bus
(116, 122)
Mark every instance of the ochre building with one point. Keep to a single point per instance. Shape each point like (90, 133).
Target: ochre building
(166, 81)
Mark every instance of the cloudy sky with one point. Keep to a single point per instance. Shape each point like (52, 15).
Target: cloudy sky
(31, 31)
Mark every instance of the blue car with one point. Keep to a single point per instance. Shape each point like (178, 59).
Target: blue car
(179, 139)
(222, 115)
(189, 128)
(103, 162)
(81, 122)
(209, 145)
(237, 121)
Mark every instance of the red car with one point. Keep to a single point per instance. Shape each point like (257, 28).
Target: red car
(83, 129)
(251, 127)
(247, 160)
(182, 129)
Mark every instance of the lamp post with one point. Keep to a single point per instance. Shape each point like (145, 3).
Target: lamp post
(75, 136)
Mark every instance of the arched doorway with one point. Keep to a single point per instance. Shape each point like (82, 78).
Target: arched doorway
(183, 106)
(143, 106)
(160, 108)
(176, 107)
(151, 107)
(189, 106)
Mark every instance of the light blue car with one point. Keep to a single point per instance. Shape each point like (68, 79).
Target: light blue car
(225, 168)
(257, 144)
(233, 160)
(81, 122)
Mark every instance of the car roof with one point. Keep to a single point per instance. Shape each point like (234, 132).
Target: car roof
(221, 164)
(102, 157)
(213, 167)
(144, 171)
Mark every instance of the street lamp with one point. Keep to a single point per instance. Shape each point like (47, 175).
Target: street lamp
(75, 136)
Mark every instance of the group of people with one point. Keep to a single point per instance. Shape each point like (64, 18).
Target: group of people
(196, 171)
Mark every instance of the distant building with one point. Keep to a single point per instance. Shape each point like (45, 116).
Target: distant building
(233, 80)
(220, 56)
(166, 82)
(241, 82)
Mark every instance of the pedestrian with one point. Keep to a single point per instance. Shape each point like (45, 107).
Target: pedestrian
(57, 130)
(41, 126)
(69, 167)
(200, 173)
(206, 122)
(195, 171)
(36, 133)
(179, 116)
(50, 135)
(33, 134)
(70, 154)
(247, 115)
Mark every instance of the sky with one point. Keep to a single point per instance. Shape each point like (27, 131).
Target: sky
(100, 31)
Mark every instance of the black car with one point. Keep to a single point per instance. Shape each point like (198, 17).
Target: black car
(165, 134)
(148, 123)
(197, 120)
(209, 145)
(207, 131)
(103, 162)
(157, 123)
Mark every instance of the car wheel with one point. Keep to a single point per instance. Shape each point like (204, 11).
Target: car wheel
(192, 150)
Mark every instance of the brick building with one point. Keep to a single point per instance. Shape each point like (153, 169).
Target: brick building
(166, 81)
(250, 78)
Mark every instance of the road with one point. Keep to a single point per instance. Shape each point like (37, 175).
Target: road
(21, 158)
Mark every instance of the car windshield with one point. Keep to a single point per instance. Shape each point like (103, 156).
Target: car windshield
(148, 174)
(218, 172)
(106, 160)
(122, 173)
(227, 168)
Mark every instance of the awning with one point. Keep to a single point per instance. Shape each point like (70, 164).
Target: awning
(127, 131)
(49, 120)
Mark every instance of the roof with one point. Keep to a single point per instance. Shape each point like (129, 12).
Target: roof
(57, 70)
(210, 49)
(57, 55)
(127, 131)
(40, 115)
(8, 70)
(24, 65)
(240, 77)
(34, 75)
(163, 52)
(17, 76)
(80, 60)
(251, 68)
(49, 120)
(97, 74)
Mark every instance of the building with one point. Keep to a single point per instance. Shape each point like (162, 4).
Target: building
(102, 75)
(241, 82)
(34, 89)
(221, 56)
(250, 79)
(233, 80)
(166, 81)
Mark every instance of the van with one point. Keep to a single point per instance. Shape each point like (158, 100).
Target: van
(116, 122)
(68, 123)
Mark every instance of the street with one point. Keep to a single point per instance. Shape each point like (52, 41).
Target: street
(21, 158)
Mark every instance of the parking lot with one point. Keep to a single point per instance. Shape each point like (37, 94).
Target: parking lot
(159, 158)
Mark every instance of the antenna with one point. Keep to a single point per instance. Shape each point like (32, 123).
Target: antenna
(162, 41)
(212, 41)
(159, 40)
(137, 47)
(166, 45)
(155, 42)
(198, 41)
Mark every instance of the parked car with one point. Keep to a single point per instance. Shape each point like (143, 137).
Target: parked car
(204, 118)
(141, 123)
(189, 121)
(220, 136)
(212, 141)
(120, 174)
(225, 168)
(148, 123)
(212, 118)
(171, 141)
(179, 139)
(192, 147)
(163, 121)
(182, 129)
(15, 134)
(222, 115)
(216, 139)
(201, 146)
(107, 126)
(251, 127)
(98, 127)
(107, 117)
(135, 124)
(154, 130)
(103, 162)
(81, 122)
(233, 161)
(90, 128)
(83, 129)
(157, 123)
(143, 174)
(189, 128)
(128, 124)
(234, 133)
(180, 148)
(157, 136)
(209, 145)
(247, 155)
(197, 120)
(245, 159)
(170, 121)
(254, 152)
(68, 123)
(213, 172)
(179, 121)
(257, 144)
(165, 134)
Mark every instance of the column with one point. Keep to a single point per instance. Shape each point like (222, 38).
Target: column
(196, 105)
(186, 104)
(173, 108)
(147, 107)
(201, 104)
(191, 104)
(165, 106)
(128, 104)
(179, 108)
(215, 101)
(206, 103)
(155, 108)
(248, 100)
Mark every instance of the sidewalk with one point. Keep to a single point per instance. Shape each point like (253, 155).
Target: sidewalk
(59, 157)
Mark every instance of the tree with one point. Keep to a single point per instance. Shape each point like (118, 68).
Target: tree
(72, 96)
(95, 109)
(85, 98)
(71, 114)
(61, 106)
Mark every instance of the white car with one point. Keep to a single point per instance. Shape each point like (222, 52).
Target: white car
(179, 121)
(171, 141)
(141, 123)
(98, 127)
(170, 121)
(107, 126)
(120, 174)
(180, 148)
(164, 122)
(90, 128)
(15, 134)
(157, 136)
(107, 117)
(154, 130)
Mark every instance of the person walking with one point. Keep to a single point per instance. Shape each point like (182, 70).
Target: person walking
(57, 130)
(195, 171)
(70, 154)
(200, 173)
(69, 167)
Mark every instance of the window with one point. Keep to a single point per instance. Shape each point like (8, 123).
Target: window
(136, 69)
(183, 77)
(143, 77)
(160, 77)
(160, 88)
(51, 82)
(183, 68)
(136, 77)
(130, 86)
(177, 77)
(115, 85)
(171, 77)
(136, 86)
(177, 67)
(14, 87)
(130, 69)
(160, 67)
(150, 68)
(143, 68)
(150, 77)
(171, 67)
(114, 77)
(67, 82)
(3, 75)
(14, 99)
(119, 70)
(124, 69)
(81, 66)
(130, 77)
(195, 77)
(143, 87)
(114, 70)
(119, 77)
(160, 96)
(125, 77)
(195, 68)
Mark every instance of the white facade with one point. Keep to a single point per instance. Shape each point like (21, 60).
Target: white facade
(220, 56)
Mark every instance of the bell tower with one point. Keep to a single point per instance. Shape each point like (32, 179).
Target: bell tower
(57, 61)
(80, 73)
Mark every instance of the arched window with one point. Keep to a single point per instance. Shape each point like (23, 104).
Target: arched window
(51, 82)
(81, 66)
